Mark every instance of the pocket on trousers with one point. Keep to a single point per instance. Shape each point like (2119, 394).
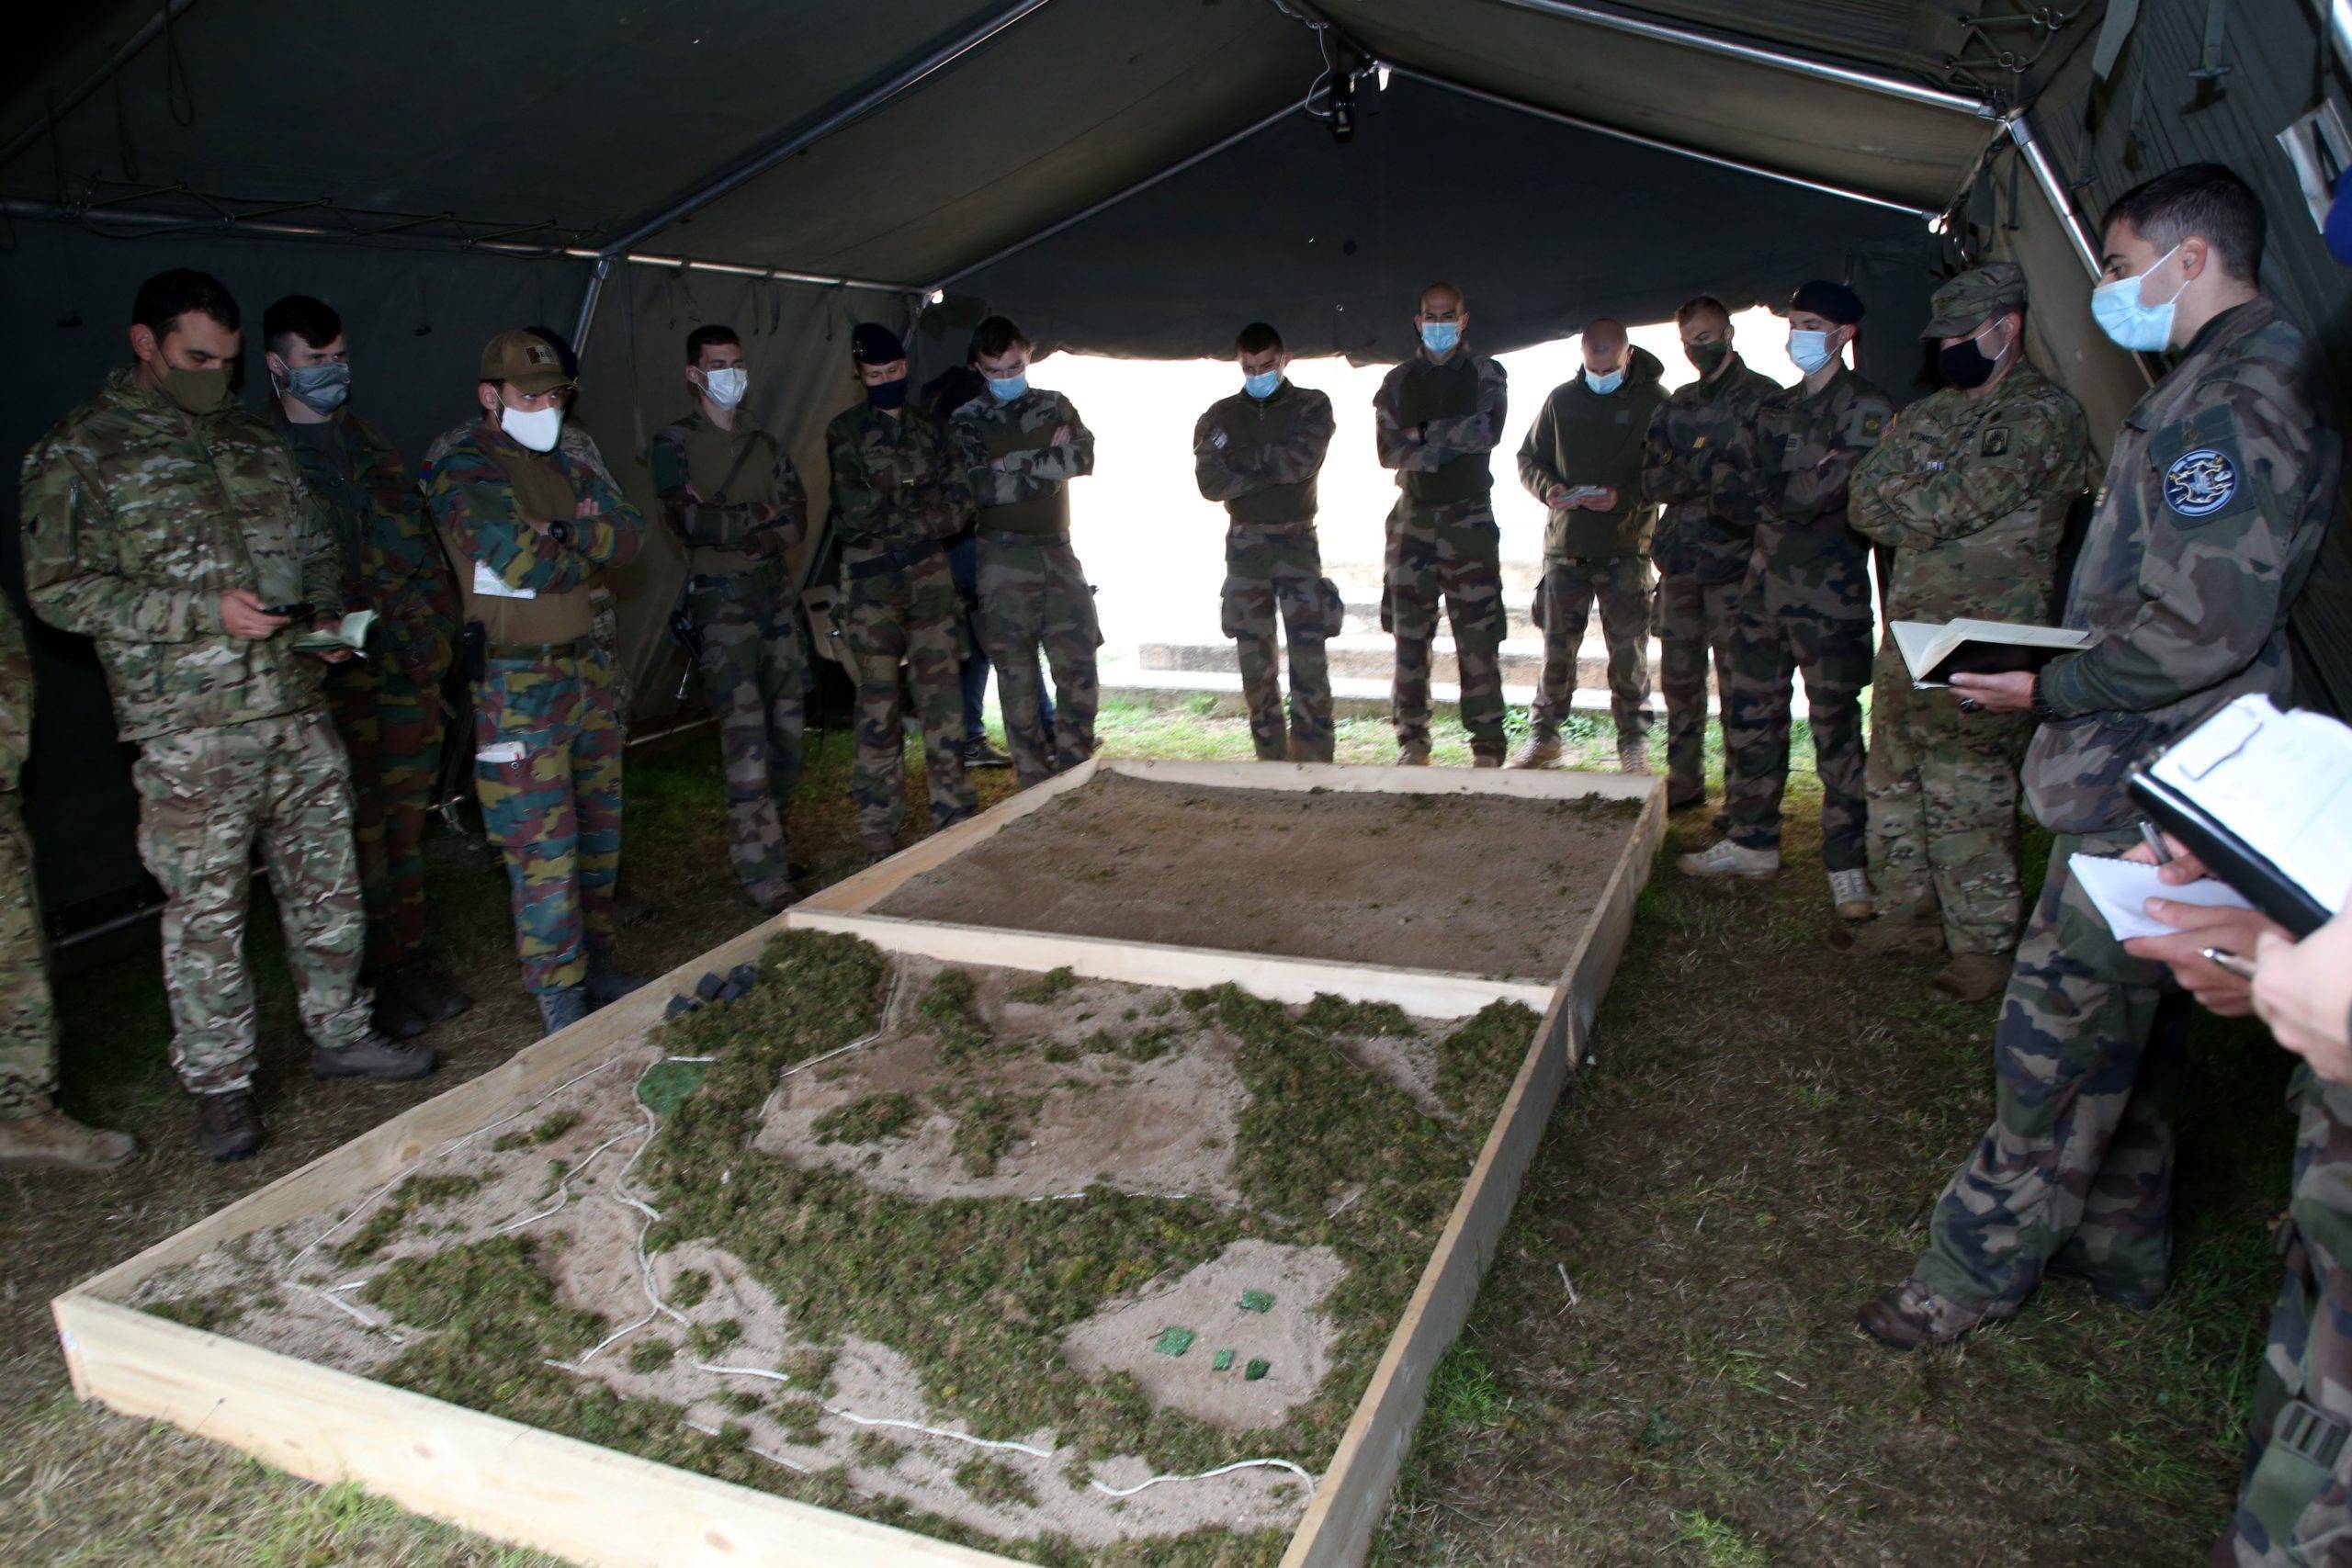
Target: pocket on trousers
(1334, 606)
(1230, 619)
(1536, 609)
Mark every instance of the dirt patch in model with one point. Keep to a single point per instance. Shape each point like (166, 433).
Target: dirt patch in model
(1480, 885)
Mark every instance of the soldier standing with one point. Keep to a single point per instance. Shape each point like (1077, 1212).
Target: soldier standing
(1258, 452)
(1022, 447)
(738, 506)
(386, 706)
(33, 1132)
(2217, 494)
(1435, 419)
(1704, 537)
(127, 543)
(529, 530)
(1970, 489)
(1582, 459)
(1806, 605)
(898, 494)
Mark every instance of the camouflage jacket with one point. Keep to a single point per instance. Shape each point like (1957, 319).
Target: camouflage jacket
(1019, 474)
(1260, 456)
(1794, 456)
(898, 480)
(732, 495)
(473, 500)
(391, 560)
(1972, 495)
(137, 518)
(2217, 494)
(1708, 529)
(1449, 464)
(15, 697)
(575, 443)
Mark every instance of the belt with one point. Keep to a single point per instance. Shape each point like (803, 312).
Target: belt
(1043, 535)
(572, 649)
(894, 559)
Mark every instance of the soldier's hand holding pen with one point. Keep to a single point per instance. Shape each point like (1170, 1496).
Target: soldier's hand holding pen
(243, 614)
(2203, 951)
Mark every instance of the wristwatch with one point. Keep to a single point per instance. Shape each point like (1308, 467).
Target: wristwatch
(559, 531)
(2038, 705)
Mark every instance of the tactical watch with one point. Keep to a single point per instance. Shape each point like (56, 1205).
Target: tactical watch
(559, 531)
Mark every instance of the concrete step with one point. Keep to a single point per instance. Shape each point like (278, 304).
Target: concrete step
(1352, 696)
(1373, 657)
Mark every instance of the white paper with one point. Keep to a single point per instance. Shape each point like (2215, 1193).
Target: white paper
(2281, 781)
(490, 585)
(500, 752)
(1926, 644)
(2121, 889)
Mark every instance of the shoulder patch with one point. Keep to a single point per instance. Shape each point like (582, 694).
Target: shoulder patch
(1996, 441)
(2203, 482)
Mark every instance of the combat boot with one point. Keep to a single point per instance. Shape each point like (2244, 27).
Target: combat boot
(1850, 891)
(1724, 858)
(395, 1016)
(606, 984)
(1677, 800)
(428, 996)
(1972, 978)
(979, 753)
(562, 1008)
(372, 1056)
(1882, 937)
(1535, 752)
(1911, 1317)
(226, 1127)
(1412, 756)
(54, 1141)
(1633, 755)
(1486, 760)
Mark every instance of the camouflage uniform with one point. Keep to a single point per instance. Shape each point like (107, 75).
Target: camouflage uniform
(547, 708)
(1805, 606)
(1972, 494)
(1701, 546)
(386, 706)
(28, 1016)
(1033, 593)
(1260, 456)
(1442, 541)
(898, 494)
(1584, 437)
(2216, 496)
(739, 511)
(137, 518)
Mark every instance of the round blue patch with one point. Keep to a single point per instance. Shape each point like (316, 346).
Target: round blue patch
(2200, 482)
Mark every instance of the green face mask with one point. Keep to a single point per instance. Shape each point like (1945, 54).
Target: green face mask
(197, 392)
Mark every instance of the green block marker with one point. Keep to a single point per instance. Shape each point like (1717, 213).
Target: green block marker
(1256, 1370)
(1257, 1300)
(1222, 1361)
(1174, 1341)
(666, 1083)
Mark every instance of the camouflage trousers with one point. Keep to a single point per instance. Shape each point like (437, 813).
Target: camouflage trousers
(1694, 620)
(1279, 571)
(1774, 636)
(392, 732)
(28, 1015)
(754, 668)
(1448, 555)
(2295, 1503)
(2075, 1171)
(1034, 595)
(1943, 811)
(548, 769)
(1563, 602)
(910, 613)
(207, 799)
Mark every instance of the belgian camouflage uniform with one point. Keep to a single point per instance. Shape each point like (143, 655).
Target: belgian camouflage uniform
(387, 705)
(547, 707)
(28, 1016)
(137, 518)
(1442, 541)
(1972, 495)
(739, 510)
(2216, 496)
(1260, 456)
(898, 494)
(1805, 606)
(1033, 593)
(1701, 546)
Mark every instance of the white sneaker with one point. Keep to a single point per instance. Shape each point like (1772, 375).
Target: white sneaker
(1724, 858)
(1851, 891)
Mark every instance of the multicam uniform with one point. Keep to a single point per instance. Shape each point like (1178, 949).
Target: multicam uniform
(1033, 593)
(898, 494)
(739, 510)
(1701, 546)
(546, 707)
(137, 518)
(27, 1016)
(1260, 456)
(1442, 540)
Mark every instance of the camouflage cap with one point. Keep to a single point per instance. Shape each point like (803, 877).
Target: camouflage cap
(527, 359)
(1966, 302)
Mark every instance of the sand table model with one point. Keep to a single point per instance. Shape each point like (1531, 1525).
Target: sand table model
(1053, 1266)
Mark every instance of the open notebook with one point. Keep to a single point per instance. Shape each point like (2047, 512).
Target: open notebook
(1934, 653)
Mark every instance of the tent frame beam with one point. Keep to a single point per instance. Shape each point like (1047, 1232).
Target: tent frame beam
(2062, 200)
(25, 140)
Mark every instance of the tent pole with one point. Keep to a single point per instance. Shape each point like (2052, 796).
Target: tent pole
(96, 217)
(2053, 189)
(121, 57)
(587, 317)
(1658, 144)
(1712, 44)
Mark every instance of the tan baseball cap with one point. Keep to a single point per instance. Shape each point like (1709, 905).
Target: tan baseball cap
(525, 359)
(1976, 297)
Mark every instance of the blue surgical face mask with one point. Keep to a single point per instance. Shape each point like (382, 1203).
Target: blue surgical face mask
(1604, 385)
(1005, 388)
(1439, 337)
(1261, 386)
(2130, 320)
(1810, 350)
(320, 387)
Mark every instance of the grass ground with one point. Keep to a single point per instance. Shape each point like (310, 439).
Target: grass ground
(1660, 1368)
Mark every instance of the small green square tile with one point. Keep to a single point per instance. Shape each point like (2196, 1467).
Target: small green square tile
(1257, 1300)
(1174, 1341)
(1256, 1370)
(1222, 1361)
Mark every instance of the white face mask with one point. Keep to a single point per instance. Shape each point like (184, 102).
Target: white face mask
(727, 386)
(534, 428)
